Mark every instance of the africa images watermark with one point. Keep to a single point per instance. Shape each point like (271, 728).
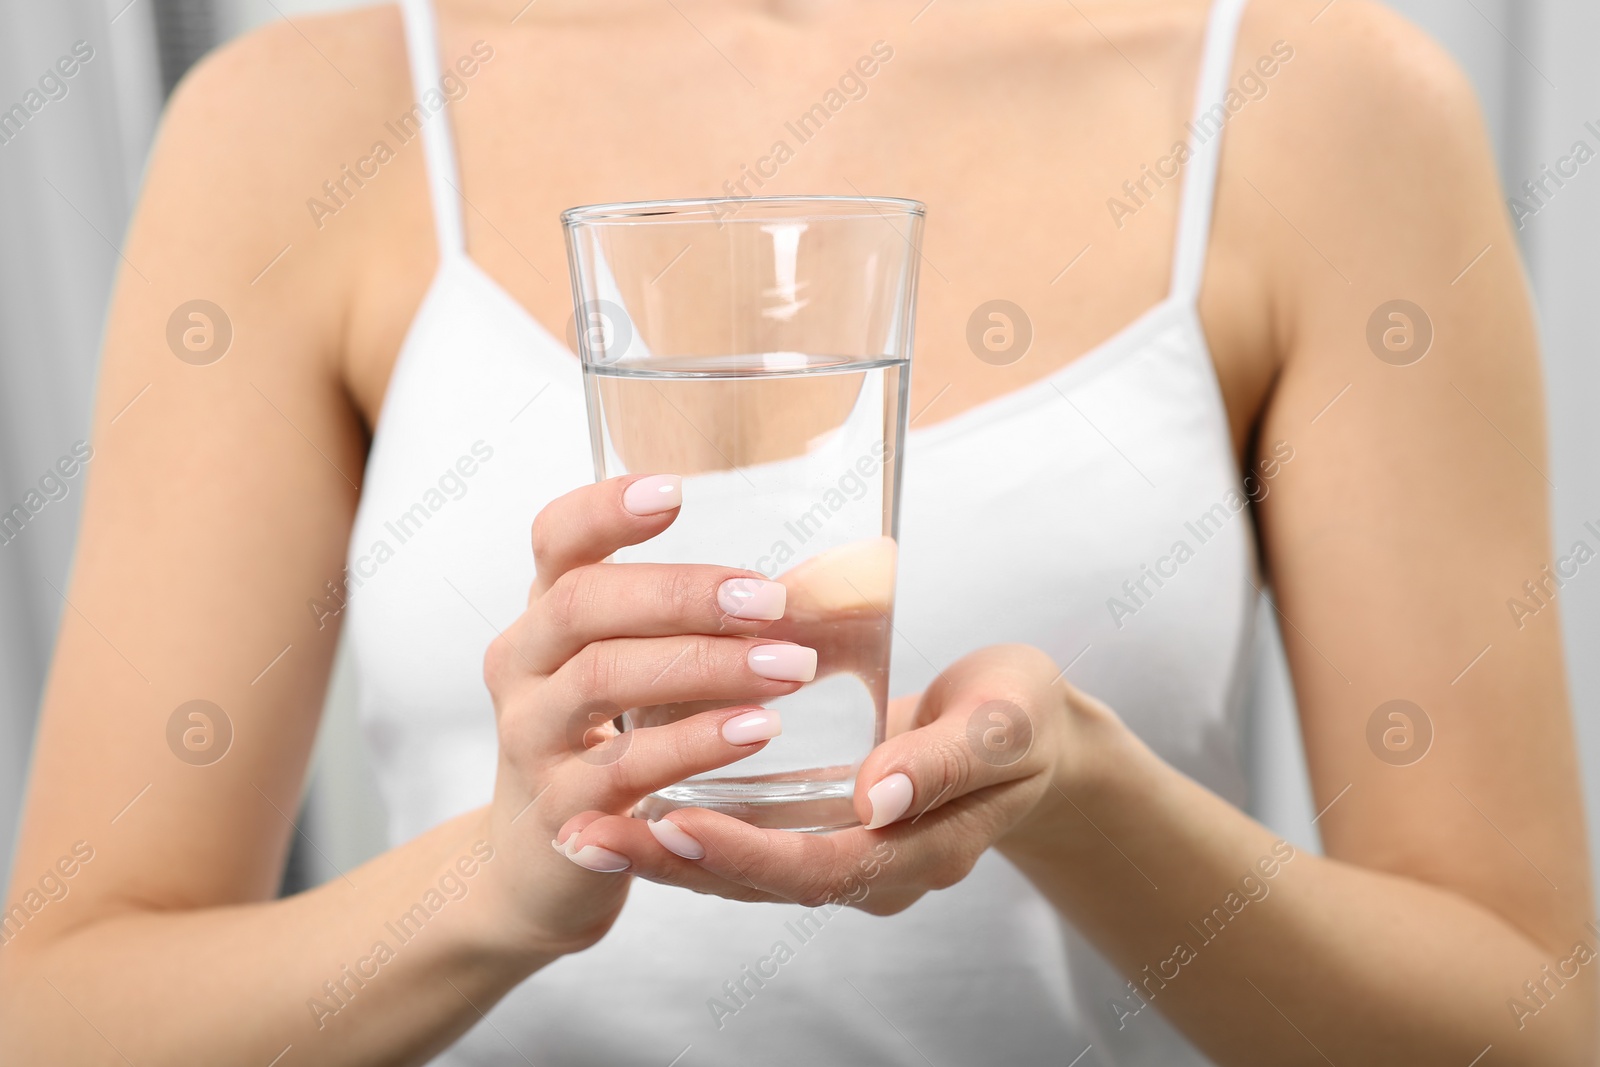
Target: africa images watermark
(1253, 888)
(1553, 979)
(340, 991)
(450, 485)
(1207, 124)
(54, 485)
(405, 128)
(850, 88)
(1546, 185)
(1540, 592)
(54, 84)
(51, 887)
(1137, 591)
(852, 485)
(741, 991)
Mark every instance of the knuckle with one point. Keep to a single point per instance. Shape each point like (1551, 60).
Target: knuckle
(951, 870)
(697, 661)
(567, 598)
(498, 668)
(951, 767)
(597, 669)
(884, 904)
(681, 589)
(820, 887)
(707, 660)
(543, 535)
(622, 777)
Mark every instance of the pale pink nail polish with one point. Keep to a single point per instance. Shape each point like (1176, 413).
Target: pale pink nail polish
(600, 860)
(752, 598)
(890, 799)
(783, 663)
(752, 726)
(676, 841)
(653, 495)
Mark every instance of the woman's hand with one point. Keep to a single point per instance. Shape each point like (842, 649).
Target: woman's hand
(598, 638)
(975, 761)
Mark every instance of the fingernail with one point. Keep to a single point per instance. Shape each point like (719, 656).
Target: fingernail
(752, 598)
(676, 841)
(595, 858)
(653, 495)
(784, 663)
(752, 726)
(890, 799)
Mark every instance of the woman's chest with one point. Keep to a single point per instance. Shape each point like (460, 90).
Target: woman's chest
(1016, 137)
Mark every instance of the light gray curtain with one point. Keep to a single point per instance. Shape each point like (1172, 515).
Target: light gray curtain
(67, 182)
(68, 177)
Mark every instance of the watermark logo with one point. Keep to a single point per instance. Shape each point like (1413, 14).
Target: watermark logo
(593, 735)
(1399, 733)
(199, 733)
(999, 733)
(199, 332)
(1399, 333)
(607, 332)
(999, 332)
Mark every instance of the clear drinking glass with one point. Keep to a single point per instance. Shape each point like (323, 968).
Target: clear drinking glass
(760, 347)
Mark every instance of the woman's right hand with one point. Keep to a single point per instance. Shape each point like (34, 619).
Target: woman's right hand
(599, 638)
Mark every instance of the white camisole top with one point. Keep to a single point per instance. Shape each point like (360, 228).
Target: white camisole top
(1071, 492)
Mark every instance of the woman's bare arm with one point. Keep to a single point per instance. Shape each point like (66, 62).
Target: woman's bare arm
(219, 501)
(1414, 506)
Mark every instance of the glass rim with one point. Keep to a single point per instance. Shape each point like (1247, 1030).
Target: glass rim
(706, 209)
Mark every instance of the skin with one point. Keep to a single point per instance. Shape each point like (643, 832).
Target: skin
(222, 498)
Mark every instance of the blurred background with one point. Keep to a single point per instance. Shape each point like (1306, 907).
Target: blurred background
(70, 175)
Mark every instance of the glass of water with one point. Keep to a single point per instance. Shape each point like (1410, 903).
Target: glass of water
(760, 347)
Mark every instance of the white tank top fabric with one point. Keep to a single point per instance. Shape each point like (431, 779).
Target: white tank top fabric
(1021, 518)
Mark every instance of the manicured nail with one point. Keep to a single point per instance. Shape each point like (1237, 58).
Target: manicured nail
(784, 663)
(653, 495)
(890, 799)
(752, 598)
(675, 841)
(752, 726)
(595, 858)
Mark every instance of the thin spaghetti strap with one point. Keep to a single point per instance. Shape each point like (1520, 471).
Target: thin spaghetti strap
(1211, 115)
(431, 113)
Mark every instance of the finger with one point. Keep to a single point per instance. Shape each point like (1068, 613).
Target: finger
(588, 524)
(616, 773)
(651, 850)
(664, 678)
(878, 871)
(956, 755)
(599, 601)
(984, 722)
(807, 869)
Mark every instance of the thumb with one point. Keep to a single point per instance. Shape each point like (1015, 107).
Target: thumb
(983, 720)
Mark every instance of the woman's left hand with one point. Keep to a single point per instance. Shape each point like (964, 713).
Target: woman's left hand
(976, 760)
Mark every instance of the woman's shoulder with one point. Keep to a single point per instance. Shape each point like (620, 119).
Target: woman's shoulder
(1361, 132)
(279, 95)
(1354, 71)
(259, 154)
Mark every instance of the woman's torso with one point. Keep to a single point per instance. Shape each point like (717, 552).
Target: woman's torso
(1036, 502)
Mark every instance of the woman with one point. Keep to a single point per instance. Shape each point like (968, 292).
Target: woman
(1103, 899)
